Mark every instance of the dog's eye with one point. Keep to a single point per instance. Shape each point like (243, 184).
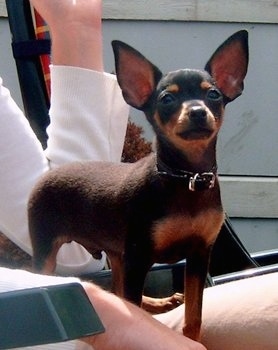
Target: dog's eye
(214, 94)
(167, 98)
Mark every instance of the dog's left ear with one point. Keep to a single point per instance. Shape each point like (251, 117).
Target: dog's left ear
(228, 65)
(136, 75)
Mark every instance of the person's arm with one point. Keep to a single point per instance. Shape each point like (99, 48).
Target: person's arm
(88, 114)
(239, 315)
(126, 326)
(88, 121)
(76, 31)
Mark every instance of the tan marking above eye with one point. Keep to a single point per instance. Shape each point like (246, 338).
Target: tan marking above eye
(205, 85)
(172, 88)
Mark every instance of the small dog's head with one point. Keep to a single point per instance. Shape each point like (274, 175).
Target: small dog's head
(189, 106)
(185, 107)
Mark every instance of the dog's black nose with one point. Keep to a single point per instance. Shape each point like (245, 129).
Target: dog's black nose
(198, 113)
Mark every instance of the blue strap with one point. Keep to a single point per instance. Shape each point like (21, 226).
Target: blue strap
(30, 48)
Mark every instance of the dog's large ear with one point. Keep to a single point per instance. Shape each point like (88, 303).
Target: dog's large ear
(136, 75)
(228, 65)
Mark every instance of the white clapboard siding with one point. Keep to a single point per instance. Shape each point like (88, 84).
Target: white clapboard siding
(251, 197)
(3, 11)
(252, 11)
(256, 11)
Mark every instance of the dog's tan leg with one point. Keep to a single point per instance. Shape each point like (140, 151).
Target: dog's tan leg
(196, 272)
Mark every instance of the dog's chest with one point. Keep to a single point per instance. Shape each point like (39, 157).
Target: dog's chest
(177, 232)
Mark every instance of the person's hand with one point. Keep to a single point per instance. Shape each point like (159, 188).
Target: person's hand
(64, 13)
(75, 27)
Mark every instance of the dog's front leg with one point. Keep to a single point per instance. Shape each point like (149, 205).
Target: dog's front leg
(137, 263)
(195, 279)
(116, 263)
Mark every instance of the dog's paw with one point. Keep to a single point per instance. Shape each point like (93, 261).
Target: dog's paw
(160, 305)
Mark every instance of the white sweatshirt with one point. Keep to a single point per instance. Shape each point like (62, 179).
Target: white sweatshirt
(88, 121)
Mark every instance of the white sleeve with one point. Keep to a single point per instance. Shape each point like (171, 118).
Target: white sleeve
(11, 280)
(88, 116)
(22, 162)
(88, 122)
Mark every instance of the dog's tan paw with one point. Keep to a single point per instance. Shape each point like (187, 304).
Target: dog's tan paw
(160, 305)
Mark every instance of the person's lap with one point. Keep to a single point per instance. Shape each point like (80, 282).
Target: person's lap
(240, 315)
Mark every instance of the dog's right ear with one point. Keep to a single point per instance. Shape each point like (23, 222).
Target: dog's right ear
(228, 65)
(136, 75)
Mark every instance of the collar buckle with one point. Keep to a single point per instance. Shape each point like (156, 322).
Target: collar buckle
(201, 181)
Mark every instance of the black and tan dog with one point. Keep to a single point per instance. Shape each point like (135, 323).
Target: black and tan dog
(163, 208)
